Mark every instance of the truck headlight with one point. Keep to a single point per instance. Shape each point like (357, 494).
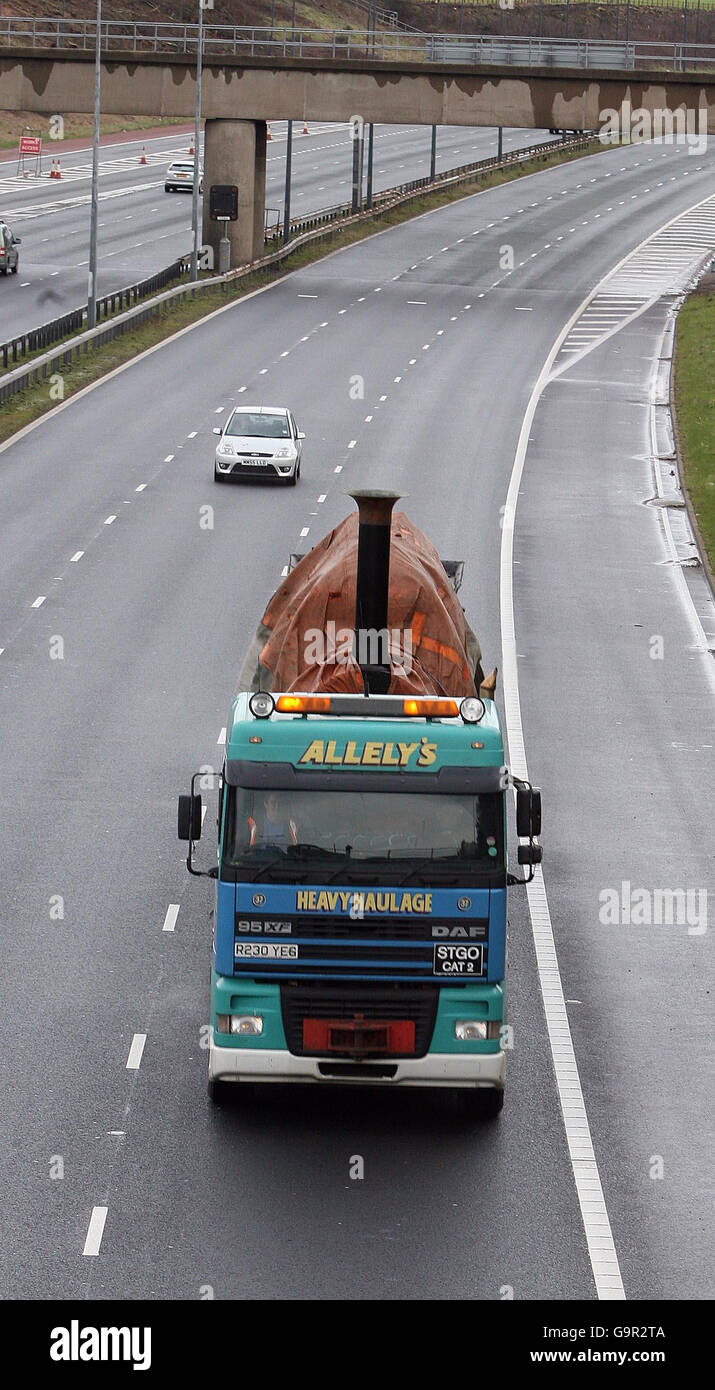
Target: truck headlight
(261, 704)
(248, 1025)
(472, 709)
(470, 1029)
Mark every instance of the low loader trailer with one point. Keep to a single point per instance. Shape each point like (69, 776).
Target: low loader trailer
(361, 881)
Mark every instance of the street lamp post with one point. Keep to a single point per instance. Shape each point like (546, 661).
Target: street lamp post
(197, 160)
(289, 155)
(94, 197)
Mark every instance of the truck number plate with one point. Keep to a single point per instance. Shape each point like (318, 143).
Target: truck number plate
(265, 950)
(458, 960)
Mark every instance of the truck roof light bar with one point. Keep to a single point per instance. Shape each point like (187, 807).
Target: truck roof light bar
(303, 704)
(370, 706)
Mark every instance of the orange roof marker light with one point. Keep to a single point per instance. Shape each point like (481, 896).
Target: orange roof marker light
(431, 709)
(303, 704)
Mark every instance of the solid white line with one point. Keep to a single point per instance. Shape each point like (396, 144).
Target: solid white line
(222, 737)
(172, 913)
(135, 1052)
(597, 1227)
(95, 1231)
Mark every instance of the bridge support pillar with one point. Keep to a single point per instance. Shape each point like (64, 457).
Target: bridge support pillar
(235, 152)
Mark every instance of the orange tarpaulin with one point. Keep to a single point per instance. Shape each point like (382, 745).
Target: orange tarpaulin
(304, 641)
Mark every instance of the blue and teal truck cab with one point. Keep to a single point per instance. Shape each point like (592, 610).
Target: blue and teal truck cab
(361, 910)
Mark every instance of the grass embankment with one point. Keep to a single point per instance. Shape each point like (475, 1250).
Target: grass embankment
(13, 124)
(694, 396)
(35, 400)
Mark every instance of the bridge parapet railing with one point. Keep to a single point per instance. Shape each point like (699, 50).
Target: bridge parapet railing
(389, 45)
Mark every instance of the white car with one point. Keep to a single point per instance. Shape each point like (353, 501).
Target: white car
(180, 174)
(259, 441)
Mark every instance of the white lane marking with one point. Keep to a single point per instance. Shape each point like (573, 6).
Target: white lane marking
(352, 443)
(304, 532)
(168, 458)
(140, 488)
(77, 556)
(263, 371)
(368, 418)
(192, 435)
(109, 519)
(597, 1227)
(39, 601)
(95, 1230)
(285, 354)
(322, 497)
(417, 301)
(219, 409)
(307, 296)
(24, 284)
(523, 309)
(383, 398)
(135, 1052)
(172, 913)
(221, 738)
(338, 469)
(397, 378)
(1, 650)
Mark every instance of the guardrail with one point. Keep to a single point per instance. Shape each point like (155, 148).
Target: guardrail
(380, 45)
(324, 216)
(24, 344)
(41, 367)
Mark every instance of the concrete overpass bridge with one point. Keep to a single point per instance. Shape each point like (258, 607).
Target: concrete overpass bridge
(251, 76)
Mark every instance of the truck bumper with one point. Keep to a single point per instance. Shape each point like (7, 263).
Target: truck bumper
(436, 1069)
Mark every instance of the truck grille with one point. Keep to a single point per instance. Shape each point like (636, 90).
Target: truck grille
(384, 1002)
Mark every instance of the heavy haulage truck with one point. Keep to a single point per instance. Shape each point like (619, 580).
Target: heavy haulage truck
(360, 928)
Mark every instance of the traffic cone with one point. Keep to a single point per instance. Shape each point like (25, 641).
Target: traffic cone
(58, 175)
(268, 133)
(305, 129)
(143, 159)
(52, 170)
(191, 148)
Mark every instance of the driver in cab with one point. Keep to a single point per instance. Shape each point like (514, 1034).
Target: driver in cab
(272, 823)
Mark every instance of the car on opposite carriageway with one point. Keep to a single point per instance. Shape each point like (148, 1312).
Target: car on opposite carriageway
(9, 257)
(259, 441)
(180, 174)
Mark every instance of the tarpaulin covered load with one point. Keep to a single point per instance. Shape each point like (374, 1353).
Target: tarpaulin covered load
(305, 640)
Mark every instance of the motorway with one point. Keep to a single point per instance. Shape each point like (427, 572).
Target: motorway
(142, 229)
(125, 609)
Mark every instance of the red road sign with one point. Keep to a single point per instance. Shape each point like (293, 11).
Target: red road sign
(30, 144)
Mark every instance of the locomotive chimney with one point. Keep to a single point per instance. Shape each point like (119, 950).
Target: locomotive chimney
(373, 582)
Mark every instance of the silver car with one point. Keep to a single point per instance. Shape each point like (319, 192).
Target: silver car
(259, 441)
(9, 258)
(180, 174)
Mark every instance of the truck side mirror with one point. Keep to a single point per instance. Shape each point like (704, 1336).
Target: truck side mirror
(530, 854)
(528, 812)
(523, 812)
(189, 819)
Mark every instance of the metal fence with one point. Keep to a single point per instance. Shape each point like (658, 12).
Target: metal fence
(383, 46)
(35, 339)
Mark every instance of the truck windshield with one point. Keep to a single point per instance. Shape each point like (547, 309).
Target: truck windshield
(291, 830)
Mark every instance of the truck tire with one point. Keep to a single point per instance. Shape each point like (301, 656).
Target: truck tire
(483, 1103)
